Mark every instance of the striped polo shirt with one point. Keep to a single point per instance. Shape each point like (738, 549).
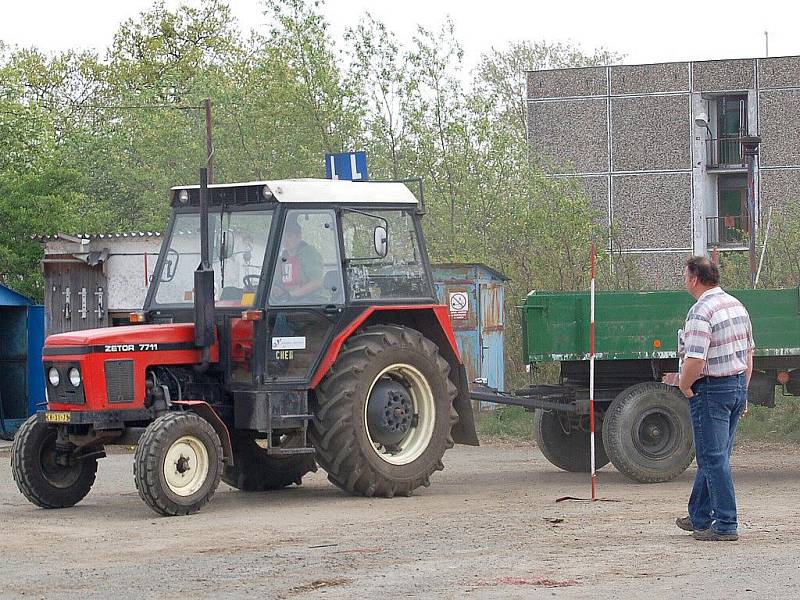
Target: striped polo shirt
(718, 330)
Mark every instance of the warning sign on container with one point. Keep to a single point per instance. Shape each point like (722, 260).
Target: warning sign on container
(459, 305)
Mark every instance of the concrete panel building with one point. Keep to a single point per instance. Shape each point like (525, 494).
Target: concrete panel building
(658, 149)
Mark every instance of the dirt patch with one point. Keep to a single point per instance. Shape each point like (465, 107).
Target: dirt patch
(488, 527)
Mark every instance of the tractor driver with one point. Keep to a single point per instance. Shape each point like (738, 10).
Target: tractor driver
(300, 268)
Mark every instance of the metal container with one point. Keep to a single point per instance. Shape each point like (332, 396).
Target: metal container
(21, 373)
(96, 280)
(475, 295)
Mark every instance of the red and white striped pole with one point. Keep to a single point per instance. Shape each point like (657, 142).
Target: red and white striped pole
(591, 372)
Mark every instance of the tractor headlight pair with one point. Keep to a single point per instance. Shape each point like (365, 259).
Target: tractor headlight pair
(74, 375)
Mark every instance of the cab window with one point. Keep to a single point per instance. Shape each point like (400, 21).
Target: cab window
(390, 270)
(308, 267)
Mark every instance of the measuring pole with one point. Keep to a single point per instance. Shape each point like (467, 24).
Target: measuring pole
(209, 141)
(591, 371)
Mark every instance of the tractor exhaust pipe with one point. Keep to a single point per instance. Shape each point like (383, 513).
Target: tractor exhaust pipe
(204, 283)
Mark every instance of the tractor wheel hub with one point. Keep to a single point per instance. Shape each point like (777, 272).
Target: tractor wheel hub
(390, 412)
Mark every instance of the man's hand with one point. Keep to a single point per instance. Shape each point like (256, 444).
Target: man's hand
(691, 371)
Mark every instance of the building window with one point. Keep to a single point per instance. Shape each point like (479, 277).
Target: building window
(731, 128)
(731, 226)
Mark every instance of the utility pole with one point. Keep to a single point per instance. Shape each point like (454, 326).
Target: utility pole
(209, 141)
(766, 43)
(750, 144)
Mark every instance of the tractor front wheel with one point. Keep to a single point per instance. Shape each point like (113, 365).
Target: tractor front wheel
(178, 464)
(39, 474)
(384, 413)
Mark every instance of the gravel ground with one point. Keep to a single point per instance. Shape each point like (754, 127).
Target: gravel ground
(488, 527)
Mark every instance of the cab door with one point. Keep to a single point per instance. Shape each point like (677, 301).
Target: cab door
(306, 295)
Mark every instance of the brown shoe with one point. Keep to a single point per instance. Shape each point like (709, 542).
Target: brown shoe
(684, 523)
(709, 535)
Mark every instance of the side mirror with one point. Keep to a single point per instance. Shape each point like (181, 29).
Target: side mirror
(170, 265)
(381, 242)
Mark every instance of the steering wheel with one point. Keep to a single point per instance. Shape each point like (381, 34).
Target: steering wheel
(251, 281)
(279, 293)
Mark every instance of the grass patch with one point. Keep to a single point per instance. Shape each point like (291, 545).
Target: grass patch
(779, 424)
(510, 423)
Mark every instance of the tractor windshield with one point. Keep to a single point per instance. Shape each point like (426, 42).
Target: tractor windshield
(237, 241)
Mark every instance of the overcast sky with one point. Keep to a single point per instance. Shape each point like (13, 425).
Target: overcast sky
(644, 31)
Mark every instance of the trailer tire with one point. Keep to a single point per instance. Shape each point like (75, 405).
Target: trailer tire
(253, 470)
(648, 432)
(391, 371)
(39, 478)
(178, 464)
(567, 450)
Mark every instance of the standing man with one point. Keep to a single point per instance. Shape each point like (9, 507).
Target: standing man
(717, 364)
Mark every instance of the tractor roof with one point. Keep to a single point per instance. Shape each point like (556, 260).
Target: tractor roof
(326, 191)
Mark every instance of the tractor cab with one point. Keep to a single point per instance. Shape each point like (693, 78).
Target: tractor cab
(288, 324)
(288, 257)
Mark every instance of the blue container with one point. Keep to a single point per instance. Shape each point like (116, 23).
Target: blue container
(475, 295)
(22, 389)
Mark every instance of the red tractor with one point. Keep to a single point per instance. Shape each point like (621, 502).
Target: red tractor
(288, 324)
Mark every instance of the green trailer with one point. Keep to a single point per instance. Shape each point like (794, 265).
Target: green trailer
(645, 423)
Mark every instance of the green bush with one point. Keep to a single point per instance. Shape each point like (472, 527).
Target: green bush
(507, 423)
(779, 424)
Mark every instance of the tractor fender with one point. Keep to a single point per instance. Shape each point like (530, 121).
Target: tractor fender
(204, 410)
(431, 320)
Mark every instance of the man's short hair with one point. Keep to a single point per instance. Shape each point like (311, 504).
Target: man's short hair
(706, 272)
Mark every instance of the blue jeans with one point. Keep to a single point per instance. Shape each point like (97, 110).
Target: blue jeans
(716, 406)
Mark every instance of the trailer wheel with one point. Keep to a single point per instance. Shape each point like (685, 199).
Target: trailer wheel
(253, 470)
(178, 463)
(39, 477)
(648, 433)
(384, 413)
(564, 445)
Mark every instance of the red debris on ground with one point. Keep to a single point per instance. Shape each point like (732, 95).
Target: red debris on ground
(541, 582)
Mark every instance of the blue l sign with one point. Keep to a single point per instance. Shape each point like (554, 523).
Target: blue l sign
(348, 165)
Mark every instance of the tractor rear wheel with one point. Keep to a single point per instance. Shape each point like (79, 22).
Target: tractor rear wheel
(40, 477)
(384, 413)
(178, 463)
(254, 470)
(648, 432)
(564, 444)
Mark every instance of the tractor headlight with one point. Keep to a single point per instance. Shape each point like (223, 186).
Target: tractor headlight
(75, 377)
(54, 376)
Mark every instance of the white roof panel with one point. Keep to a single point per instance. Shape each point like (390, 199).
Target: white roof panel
(328, 191)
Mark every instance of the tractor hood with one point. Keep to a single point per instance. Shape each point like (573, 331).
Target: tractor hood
(172, 334)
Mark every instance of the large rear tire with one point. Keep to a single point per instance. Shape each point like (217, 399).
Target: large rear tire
(648, 432)
(254, 470)
(564, 445)
(39, 477)
(384, 413)
(178, 464)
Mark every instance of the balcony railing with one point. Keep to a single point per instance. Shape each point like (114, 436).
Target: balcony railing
(728, 231)
(724, 152)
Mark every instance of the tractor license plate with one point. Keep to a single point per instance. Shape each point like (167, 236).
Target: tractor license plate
(57, 417)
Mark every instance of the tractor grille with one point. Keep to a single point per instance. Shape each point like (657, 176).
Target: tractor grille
(119, 380)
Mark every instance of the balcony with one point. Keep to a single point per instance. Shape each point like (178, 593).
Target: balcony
(725, 153)
(728, 232)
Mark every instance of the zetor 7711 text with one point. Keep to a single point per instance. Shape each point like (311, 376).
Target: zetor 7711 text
(288, 324)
